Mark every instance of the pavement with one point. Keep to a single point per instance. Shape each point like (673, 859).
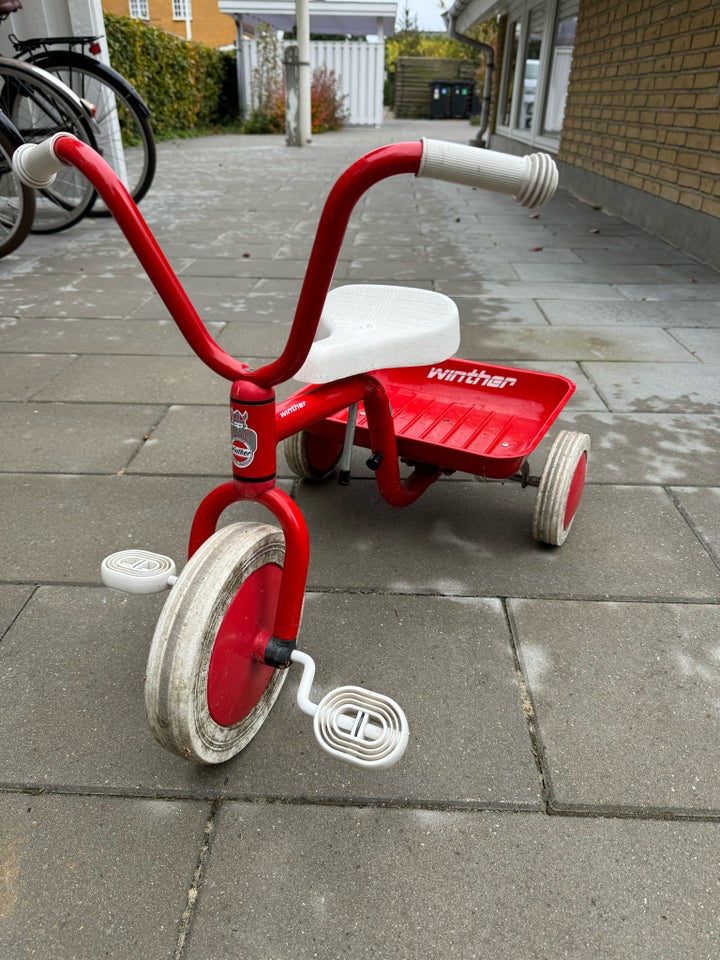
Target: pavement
(560, 795)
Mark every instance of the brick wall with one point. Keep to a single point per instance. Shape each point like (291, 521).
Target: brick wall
(208, 24)
(643, 104)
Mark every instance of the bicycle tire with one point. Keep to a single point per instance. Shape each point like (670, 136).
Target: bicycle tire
(17, 201)
(135, 157)
(40, 105)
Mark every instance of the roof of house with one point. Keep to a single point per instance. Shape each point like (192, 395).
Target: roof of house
(353, 17)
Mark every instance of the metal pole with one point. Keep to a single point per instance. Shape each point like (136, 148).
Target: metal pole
(240, 68)
(302, 19)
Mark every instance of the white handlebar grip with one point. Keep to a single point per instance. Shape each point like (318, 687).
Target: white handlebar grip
(36, 163)
(531, 180)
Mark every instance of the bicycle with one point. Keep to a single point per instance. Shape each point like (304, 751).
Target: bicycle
(39, 105)
(17, 201)
(373, 358)
(124, 136)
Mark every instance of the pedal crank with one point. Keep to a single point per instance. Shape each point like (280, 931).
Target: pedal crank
(364, 728)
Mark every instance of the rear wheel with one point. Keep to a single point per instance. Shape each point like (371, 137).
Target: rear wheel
(206, 692)
(561, 487)
(311, 457)
(17, 202)
(124, 137)
(40, 106)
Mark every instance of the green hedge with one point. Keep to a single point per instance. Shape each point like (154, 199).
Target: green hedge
(185, 85)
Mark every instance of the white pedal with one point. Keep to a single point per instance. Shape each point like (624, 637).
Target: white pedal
(138, 571)
(359, 726)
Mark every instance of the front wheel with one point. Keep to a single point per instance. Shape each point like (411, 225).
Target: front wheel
(561, 486)
(206, 693)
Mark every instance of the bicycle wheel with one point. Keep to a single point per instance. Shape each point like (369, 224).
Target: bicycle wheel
(124, 138)
(40, 105)
(206, 694)
(17, 202)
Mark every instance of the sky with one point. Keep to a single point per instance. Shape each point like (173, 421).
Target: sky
(428, 13)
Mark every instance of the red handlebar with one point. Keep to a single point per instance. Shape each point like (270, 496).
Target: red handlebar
(368, 170)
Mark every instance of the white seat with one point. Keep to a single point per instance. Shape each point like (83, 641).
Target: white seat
(373, 326)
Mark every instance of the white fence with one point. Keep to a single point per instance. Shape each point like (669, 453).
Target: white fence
(358, 66)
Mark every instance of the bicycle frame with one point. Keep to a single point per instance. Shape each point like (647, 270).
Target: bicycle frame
(258, 423)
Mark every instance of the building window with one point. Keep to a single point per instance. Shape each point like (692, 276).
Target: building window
(531, 68)
(139, 9)
(536, 70)
(562, 52)
(182, 10)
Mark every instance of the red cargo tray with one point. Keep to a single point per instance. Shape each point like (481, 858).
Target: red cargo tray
(461, 415)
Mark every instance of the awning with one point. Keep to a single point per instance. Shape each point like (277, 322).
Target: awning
(358, 18)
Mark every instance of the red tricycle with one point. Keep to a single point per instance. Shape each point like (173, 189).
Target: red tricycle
(375, 358)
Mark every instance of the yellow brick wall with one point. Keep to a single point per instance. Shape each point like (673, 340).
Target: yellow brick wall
(643, 102)
(208, 24)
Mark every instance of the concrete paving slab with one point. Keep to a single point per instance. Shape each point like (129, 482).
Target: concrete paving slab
(540, 290)
(257, 336)
(649, 448)
(700, 507)
(73, 869)
(625, 697)
(95, 335)
(224, 267)
(670, 291)
(660, 313)
(446, 274)
(72, 437)
(71, 670)
(449, 663)
(649, 253)
(482, 309)
(572, 343)
(166, 453)
(58, 296)
(211, 307)
(592, 272)
(474, 539)
(656, 387)
(22, 375)
(12, 600)
(519, 253)
(136, 379)
(59, 528)
(704, 344)
(361, 884)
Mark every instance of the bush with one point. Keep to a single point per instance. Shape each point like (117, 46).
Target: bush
(185, 85)
(327, 110)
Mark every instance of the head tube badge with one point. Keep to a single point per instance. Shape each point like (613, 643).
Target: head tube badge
(244, 440)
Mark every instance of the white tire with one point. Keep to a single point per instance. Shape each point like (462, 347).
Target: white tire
(193, 623)
(561, 486)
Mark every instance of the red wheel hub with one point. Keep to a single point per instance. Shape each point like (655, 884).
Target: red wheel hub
(322, 454)
(236, 678)
(576, 489)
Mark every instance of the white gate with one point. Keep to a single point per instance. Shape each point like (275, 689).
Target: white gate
(358, 66)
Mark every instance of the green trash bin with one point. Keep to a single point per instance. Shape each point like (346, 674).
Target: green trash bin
(461, 99)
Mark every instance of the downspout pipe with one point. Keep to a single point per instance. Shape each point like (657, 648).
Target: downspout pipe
(450, 17)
